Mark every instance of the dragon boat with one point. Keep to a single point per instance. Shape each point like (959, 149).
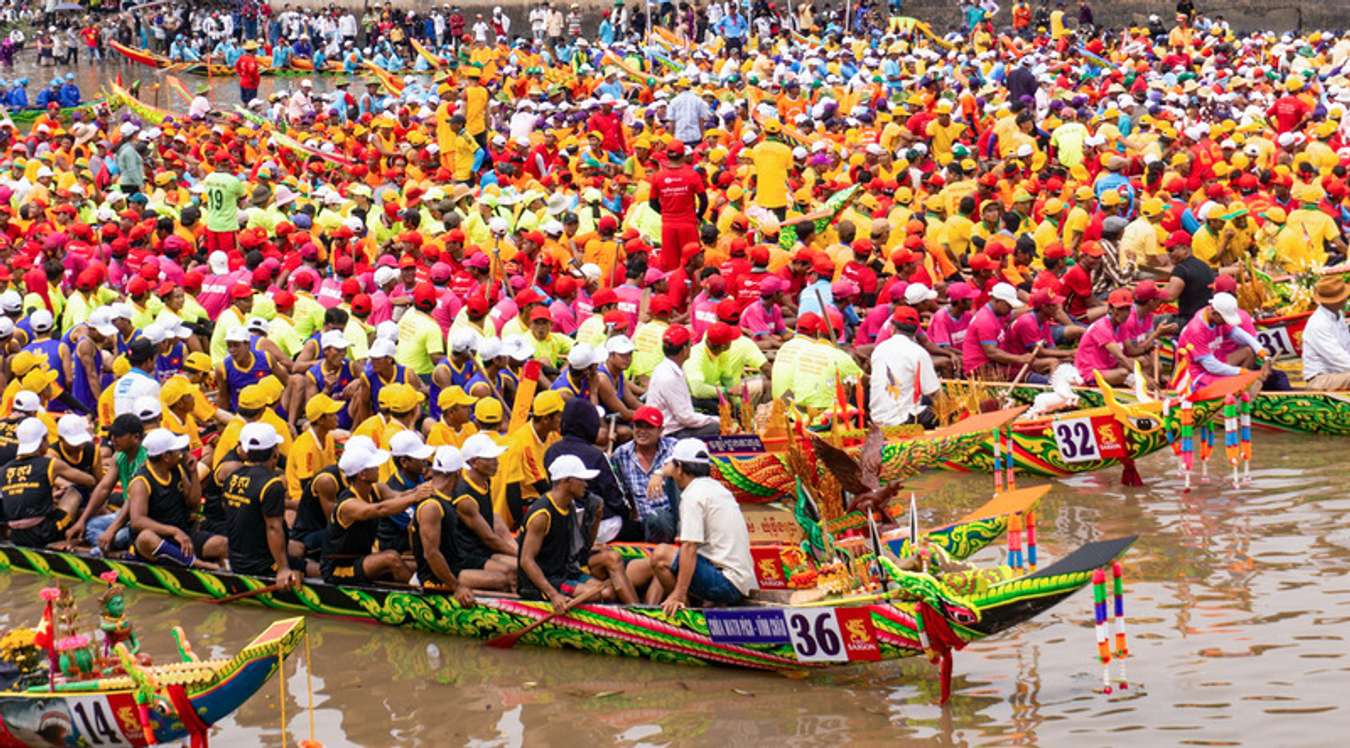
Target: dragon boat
(93, 695)
(780, 630)
(27, 116)
(298, 66)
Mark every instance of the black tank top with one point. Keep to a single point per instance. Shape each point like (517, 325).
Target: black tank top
(347, 542)
(168, 496)
(466, 540)
(9, 439)
(82, 458)
(213, 504)
(253, 493)
(554, 552)
(309, 515)
(27, 488)
(449, 523)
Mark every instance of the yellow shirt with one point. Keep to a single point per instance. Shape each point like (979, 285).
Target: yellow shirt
(523, 464)
(441, 434)
(943, 137)
(419, 342)
(1074, 227)
(307, 458)
(1302, 244)
(475, 109)
(647, 351)
(959, 231)
(772, 162)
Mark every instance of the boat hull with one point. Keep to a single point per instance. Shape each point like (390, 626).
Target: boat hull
(872, 628)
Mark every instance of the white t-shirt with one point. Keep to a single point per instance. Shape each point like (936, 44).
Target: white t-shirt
(896, 363)
(130, 386)
(710, 517)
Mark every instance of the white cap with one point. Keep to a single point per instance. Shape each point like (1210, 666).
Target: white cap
(146, 407)
(690, 450)
(27, 402)
(581, 356)
(1003, 292)
(154, 332)
(410, 444)
(159, 441)
(518, 348)
(498, 225)
(481, 447)
(487, 350)
(333, 339)
(118, 311)
(237, 335)
(916, 293)
(590, 271)
(30, 434)
(7, 327)
(382, 348)
(447, 460)
(219, 262)
(73, 430)
(258, 436)
(619, 344)
(354, 461)
(1227, 306)
(257, 325)
(385, 274)
(463, 339)
(569, 466)
(41, 320)
(387, 329)
(11, 301)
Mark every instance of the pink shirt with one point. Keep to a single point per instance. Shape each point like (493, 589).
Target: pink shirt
(381, 308)
(1028, 330)
(985, 328)
(872, 324)
(215, 295)
(946, 330)
(1229, 345)
(703, 316)
(1092, 354)
(630, 299)
(758, 320)
(330, 293)
(564, 319)
(1135, 328)
(447, 306)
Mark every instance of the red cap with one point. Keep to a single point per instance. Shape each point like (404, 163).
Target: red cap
(1178, 238)
(862, 247)
(905, 315)
(1146, 291)
(759, 255)
(261, 276)
(350, 288)
(527, 297)
(343, 265)
(407, 261)
(138, 287)
(607, 223)
(284, 300)
(539, 313)
(676, 149)
(676, 335)
(809, 323)
(650, 416)
(982, 261)
(240, 291)
(477, 304)
(722, 334)
(660, 305)
(728, 310)
(615, 318)
(454, 235)
(1091, 249)
(1055, 251)
(1121, 297)
(424, 296)
(361, 305)
(391, 210)
(604, 297)
(822, 265)
(1045, 297)
(1224, 284)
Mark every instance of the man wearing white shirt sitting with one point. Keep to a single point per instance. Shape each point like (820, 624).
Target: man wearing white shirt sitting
(903, 377)
(1326, 339)
(138, 382)
(668, 390)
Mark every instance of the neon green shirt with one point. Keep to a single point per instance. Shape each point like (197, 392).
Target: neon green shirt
(419, 342)
(220, 206)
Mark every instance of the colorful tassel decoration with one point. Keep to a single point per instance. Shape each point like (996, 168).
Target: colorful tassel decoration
(1015, 541)
(1031, 540)
(1245, 421)
(1118, 592)
(1187, 441)
(1008, 463)
(1206, 449)
(1099, 612)
(998, 461)
(1231, 447)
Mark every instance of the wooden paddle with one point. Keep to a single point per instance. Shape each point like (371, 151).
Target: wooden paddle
(1007, 399)
(507, 641)
(274, 587)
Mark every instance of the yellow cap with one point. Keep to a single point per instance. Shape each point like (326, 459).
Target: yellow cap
(120, 365)
(38, 380)
(452, 396)
(934, 203)
(253, 397)
(1082, 193)
(23, 362)
(1021, 196)
(1151, 207)
(272, 387)
(399, 398)
(944, 107)
(174, 389)
(547, 403)
(488, 411)
(1111, 198)
(321, 405)
(1053, 207)
(1275, 214)
(197, 361)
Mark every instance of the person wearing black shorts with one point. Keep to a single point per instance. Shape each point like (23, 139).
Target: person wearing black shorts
(162, 498)
(35, 517)
(255, 508)
(349, 554)
(480, 540)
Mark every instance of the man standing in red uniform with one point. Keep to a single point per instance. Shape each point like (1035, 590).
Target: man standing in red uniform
(247, 69)
(680, 196)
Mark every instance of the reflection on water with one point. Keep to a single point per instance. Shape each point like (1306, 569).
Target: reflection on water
(1236, 602)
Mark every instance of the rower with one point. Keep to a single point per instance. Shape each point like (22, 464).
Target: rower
(161, 499)
(1105, 347)
(35, 515)
(456, 420)
(1326, 341)
(245, 365)
(333, 375)
(412, 458)
(107, 531)
(546, 570)
(712, 561)
(349, 553)
(316, 448)
(381, 372)
(482, 542)
(255, 503)
(438, 535)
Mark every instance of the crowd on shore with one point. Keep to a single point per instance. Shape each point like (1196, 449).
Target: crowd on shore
(472, 326)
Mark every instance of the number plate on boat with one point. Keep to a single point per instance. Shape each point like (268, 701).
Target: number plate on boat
(1278, 341)
(1088, 439)
(735, 444)
(815, 635)
(746, 626)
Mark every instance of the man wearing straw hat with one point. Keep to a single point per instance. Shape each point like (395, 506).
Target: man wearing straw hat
(1326, 339)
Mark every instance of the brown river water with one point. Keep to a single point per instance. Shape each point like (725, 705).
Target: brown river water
(1233, 598)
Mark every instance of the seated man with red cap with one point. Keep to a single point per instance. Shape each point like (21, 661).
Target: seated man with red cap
(728, 363)
(903, 378)
(1105, 349)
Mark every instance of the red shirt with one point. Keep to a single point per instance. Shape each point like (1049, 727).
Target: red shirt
(247, 70)
(1288, 112)
(677, 190)
(1078, 287)
(864, 276)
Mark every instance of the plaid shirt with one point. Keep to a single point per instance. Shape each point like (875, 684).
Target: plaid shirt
(635, 479)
